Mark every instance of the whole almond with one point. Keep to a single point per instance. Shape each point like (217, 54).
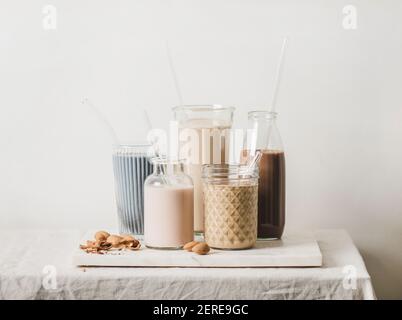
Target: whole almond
(189, 246)
(201, 248)
(101, 236)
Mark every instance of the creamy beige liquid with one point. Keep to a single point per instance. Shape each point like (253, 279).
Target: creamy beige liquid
(168, 216)
(211, 149)
(231, 215)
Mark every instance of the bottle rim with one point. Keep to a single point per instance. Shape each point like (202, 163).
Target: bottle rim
(165, 160)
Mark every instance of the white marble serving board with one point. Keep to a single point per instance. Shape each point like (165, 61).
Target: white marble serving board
(293, 250)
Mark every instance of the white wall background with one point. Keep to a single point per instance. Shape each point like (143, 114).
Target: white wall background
(340, 105)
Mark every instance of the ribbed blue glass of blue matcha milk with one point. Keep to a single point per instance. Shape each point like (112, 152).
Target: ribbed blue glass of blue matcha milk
(131, 166)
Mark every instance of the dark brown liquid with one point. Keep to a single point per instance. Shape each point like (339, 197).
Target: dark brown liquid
(271, 194)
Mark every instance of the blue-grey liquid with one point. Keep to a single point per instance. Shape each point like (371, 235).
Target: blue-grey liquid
(130, 172)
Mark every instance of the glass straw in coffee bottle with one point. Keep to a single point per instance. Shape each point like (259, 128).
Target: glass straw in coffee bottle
(271, 184)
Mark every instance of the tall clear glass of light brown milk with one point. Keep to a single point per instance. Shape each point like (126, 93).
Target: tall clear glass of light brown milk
(203, 135)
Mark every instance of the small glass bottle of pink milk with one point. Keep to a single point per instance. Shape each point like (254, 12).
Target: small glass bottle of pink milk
(168, 205)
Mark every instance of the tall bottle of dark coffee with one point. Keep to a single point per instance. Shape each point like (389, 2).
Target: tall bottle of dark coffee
(271, 185)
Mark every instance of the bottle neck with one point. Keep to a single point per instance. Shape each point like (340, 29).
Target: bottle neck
(168, 168)
(264, 131)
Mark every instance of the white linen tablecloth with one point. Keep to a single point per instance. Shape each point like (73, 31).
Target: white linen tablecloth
(37, 265)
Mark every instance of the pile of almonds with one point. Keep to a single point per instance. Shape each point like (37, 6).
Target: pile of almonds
(197, 247)
(104, 242)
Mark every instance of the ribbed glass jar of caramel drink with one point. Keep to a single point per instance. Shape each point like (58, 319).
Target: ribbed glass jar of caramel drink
(230, 202)
(271, 186)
